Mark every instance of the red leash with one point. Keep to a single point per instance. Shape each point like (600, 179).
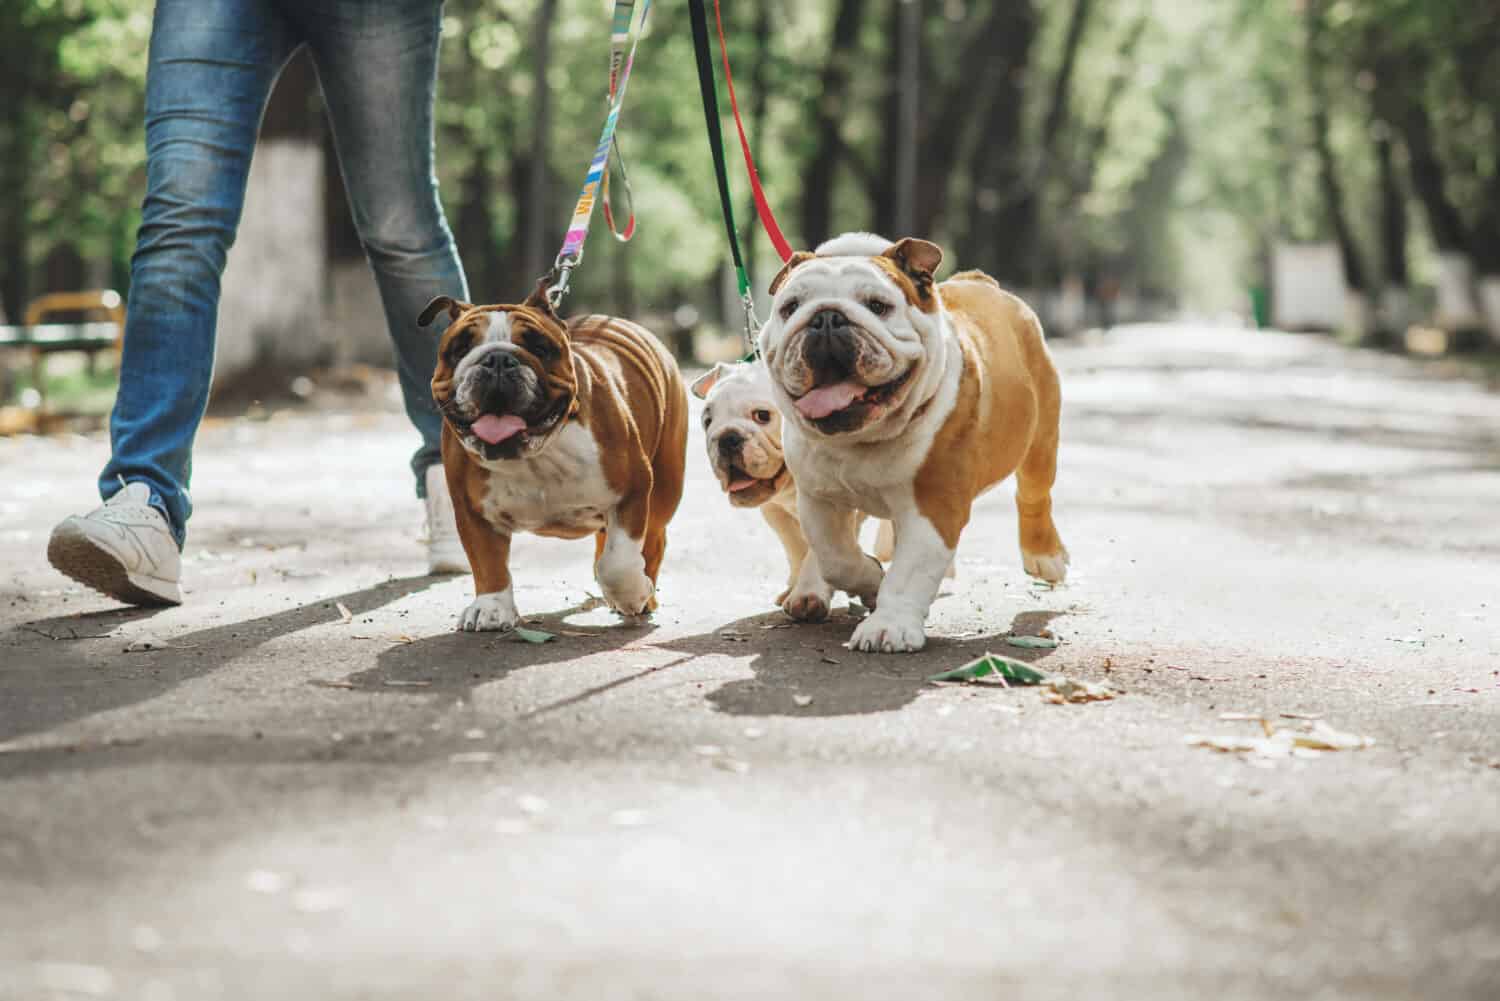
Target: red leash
(762, 207)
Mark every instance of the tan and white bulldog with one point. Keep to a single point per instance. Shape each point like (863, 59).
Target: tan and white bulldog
(561, 429)
(906, 399)
(742, 429)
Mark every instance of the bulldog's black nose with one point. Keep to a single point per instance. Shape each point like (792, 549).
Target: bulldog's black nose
(730, 442)
(827, 321)
(499, 361)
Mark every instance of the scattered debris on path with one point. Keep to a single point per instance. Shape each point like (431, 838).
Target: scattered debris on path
(534, 635)
(1060, 690)
(70, 635)
(1004, 672)
(1197, 677)
(1034, 642)
(147, 643)
(1277, 743)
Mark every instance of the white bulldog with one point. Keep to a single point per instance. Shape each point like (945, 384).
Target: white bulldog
(742, 429)
(906, 400)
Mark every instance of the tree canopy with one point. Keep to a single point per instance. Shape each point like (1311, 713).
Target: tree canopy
(1158, 144)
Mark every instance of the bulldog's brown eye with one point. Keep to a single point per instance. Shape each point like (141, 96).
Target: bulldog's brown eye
(457, 348)
(878, 306)
(789, 307)
(539, 344)
(762, 416)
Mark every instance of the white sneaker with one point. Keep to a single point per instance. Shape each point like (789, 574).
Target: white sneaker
(445, 550)
(124, 549)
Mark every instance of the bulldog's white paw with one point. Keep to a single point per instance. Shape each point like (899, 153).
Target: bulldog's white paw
(632, 595)
(1050, 567)
(860, 578)
(888, 632)
(490, 613)
(807, 606)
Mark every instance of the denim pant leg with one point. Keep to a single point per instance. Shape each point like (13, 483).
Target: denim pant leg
(210, 69)
(377, 61)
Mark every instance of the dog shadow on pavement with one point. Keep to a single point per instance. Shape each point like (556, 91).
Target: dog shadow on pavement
(800, 669)
(803, 669)
(454, 664)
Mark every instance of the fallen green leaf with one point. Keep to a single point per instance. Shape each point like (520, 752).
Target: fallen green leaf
(534, 635)
(1012, 672)
(1032, 642)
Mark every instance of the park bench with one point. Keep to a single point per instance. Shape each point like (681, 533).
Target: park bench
(42, 339)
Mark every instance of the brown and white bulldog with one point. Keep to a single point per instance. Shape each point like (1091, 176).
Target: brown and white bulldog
(561, 429)
(906, 399)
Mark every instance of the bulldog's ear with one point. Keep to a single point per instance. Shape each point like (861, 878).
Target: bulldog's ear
(800, 257)
(455, 308)
(708, 380)
(538, 300)
(917, 258)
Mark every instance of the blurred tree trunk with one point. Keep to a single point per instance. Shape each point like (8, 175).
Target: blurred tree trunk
(1328, 178)
(1475, 53)
(1057, 109)
(894, 194)
(1398, 78)
(474, 230)
(1392, 213)
(828, 112)
(1001, 232)
(15, 159)
(534, 232)
(985, 66)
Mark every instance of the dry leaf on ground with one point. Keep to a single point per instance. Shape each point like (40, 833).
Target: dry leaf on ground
(1060, 690)
(1033, 642)
(1277, 744)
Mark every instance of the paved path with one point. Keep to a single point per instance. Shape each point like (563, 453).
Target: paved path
(285, 805)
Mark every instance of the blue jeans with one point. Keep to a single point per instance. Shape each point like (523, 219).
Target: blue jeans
(212, 65)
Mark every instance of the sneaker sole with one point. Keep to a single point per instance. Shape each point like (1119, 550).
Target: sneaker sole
(76, 557)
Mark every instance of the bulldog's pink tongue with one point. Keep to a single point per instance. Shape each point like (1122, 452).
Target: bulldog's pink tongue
(494, 429)
(744, 484)
(825, 400)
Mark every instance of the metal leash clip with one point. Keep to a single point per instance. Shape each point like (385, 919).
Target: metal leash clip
(752, 325)
(557, 280)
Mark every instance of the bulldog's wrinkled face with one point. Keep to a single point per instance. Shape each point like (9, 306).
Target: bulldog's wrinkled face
(504, 379)
(742, 428)
(850, 331)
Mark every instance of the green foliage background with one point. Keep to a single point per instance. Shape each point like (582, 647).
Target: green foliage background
(1185, 143)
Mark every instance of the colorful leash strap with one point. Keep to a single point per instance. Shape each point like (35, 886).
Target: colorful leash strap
(621, 63)
(706, 86)
(762, 206)
(619, 36)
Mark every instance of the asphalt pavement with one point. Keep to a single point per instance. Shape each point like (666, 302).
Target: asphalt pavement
(304, 784)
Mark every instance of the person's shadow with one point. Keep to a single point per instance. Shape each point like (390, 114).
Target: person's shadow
(46, 678)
